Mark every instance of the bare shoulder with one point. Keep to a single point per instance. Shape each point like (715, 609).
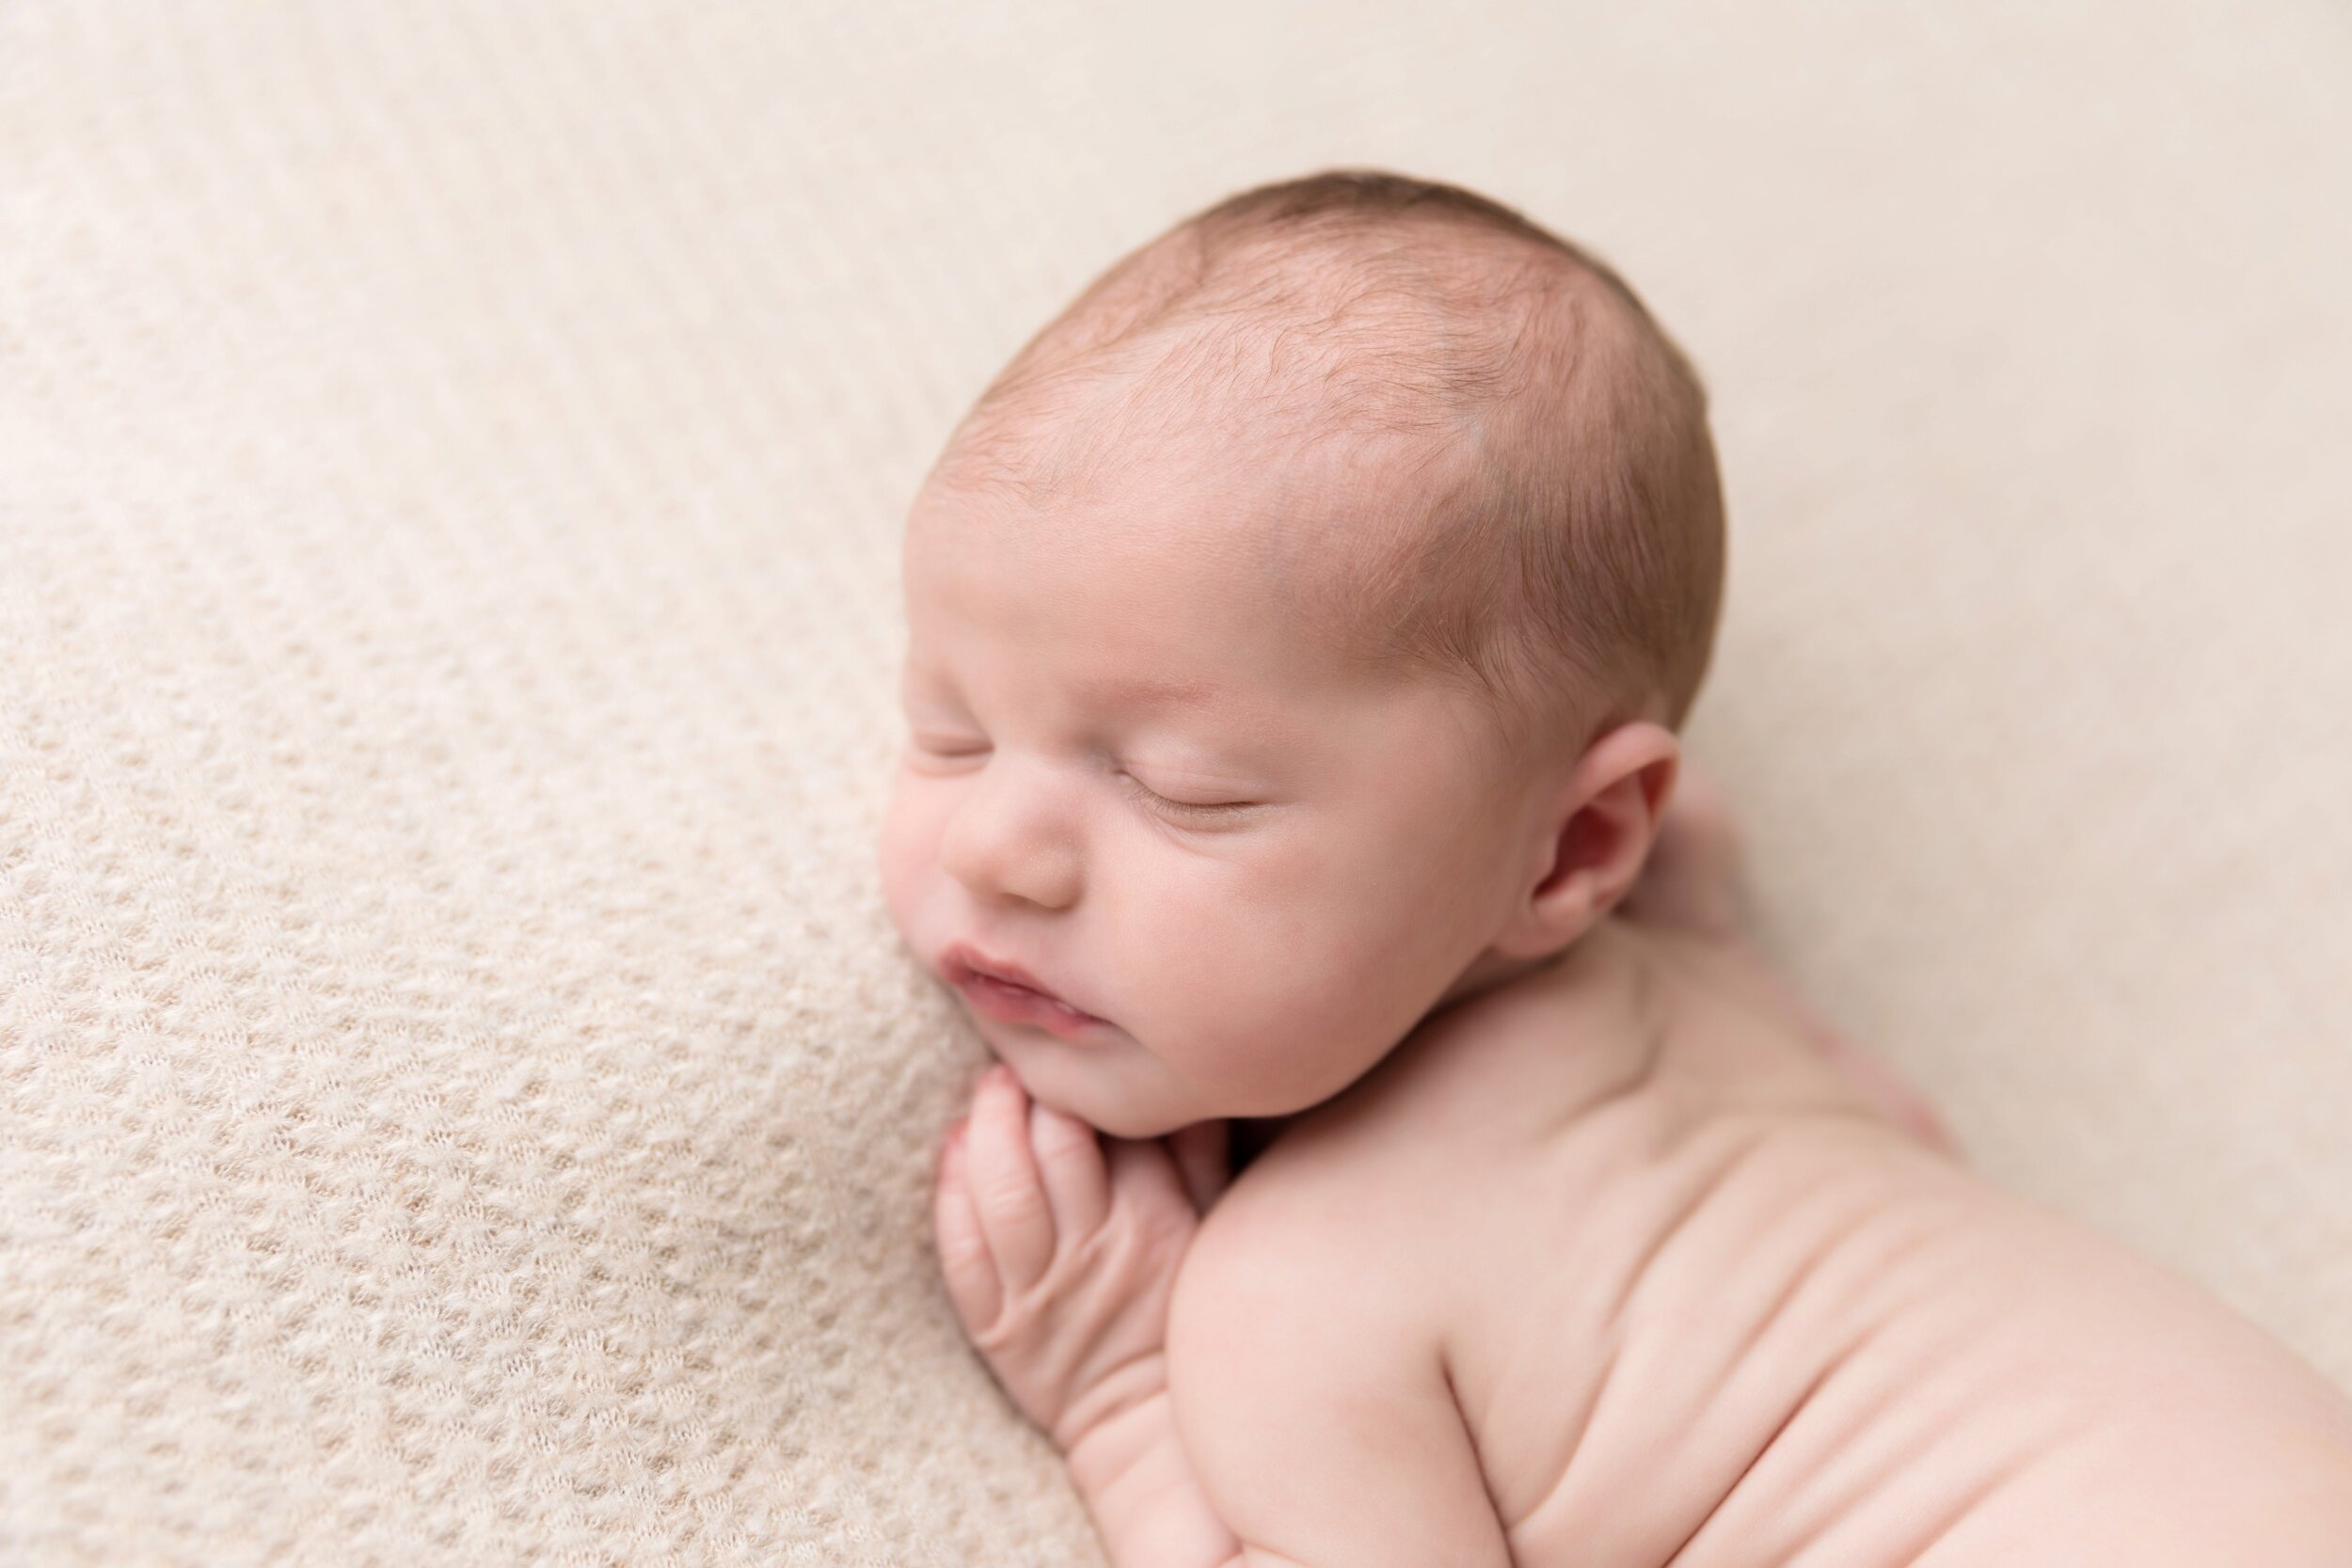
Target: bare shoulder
(1311, 1326)
(1304, 1353)
(1540, 1089)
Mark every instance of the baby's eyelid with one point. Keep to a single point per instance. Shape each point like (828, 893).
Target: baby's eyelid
(956, 747)
(947, 745)
(1189, 808)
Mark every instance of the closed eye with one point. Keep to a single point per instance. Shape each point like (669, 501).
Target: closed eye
(944, 746)
(1204, 810)
(933, 748)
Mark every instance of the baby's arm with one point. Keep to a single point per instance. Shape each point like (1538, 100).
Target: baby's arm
(1060, 1258)
(1314, 1403)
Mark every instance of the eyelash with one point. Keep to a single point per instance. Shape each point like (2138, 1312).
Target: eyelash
(1185, 808)
(1220, 810)
(1135, 786)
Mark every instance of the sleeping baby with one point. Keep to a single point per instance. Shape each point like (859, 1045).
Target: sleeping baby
(1299, 628)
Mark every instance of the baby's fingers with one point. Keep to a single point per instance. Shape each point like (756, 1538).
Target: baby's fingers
(1069, 1158)
(963, 1256)
(1015, 1216)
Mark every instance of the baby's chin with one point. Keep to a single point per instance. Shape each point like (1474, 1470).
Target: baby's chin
(1143, 1125)
(1108, 1107)
(1109, 1113)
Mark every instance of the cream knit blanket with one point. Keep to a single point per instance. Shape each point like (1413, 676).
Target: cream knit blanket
(461, 1100)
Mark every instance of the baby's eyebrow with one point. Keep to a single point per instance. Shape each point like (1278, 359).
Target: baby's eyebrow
(1139, 691)
(1157, 691)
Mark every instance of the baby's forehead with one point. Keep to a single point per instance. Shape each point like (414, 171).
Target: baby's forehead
(1260, 571)
(1308, 519)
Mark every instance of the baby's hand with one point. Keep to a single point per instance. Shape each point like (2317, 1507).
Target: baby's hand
(1060, 1249)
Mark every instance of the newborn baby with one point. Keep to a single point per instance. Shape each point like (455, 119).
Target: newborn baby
(1299, 628)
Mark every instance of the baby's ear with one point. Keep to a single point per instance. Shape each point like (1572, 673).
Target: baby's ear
(1599, 833)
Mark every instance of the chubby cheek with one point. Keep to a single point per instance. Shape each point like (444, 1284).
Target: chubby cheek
(1275, 991)
(906, 847)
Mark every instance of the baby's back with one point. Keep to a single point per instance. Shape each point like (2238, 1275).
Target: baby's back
(1698, 1302)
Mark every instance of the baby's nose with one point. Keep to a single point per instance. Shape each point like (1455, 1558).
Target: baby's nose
(1012, 838)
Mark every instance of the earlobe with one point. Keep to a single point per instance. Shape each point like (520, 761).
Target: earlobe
(1598, 833)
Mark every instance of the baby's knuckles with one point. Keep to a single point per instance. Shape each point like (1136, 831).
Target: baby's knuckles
(1083, 1343)
(1113, 1311)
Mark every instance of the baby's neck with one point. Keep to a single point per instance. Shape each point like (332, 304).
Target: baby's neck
(1250, 1137)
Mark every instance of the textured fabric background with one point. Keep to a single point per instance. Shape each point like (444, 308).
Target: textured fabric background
(461, 1100)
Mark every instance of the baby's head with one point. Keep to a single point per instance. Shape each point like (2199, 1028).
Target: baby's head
(1297, 631)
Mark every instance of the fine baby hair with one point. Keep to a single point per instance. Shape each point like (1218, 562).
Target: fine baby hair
(1563, 553)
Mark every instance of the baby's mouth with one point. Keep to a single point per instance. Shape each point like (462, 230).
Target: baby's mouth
(1011, 1002)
